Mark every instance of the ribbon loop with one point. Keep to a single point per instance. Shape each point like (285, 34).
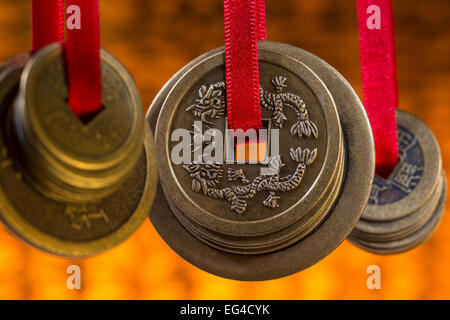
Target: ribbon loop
(379, 78)
(244, 25)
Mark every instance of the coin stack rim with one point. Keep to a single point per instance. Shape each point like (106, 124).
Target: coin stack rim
(411, 241)
(10, 70)
(387, 230)
(283, 238)
(378, 232)
(241, 228)
(334, 229)
(62, 176)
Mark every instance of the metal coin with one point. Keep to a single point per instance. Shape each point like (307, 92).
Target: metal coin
(412, 182)
(412, 241)
(402, 211)
(70, 159)
(333, 228)
(396, 229)
(279, 199)
(268, 242)
(68, 228)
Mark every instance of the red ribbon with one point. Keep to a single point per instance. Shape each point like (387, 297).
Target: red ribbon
(245, 24)
(83, 60)
(379, 78)
(261, 20)
(47, 22)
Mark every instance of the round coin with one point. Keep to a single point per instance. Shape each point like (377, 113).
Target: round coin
(72, 229)
(68, 158)
(395, 229)
(411, 241)
(287, 199)
(333, 227)
(412, 182)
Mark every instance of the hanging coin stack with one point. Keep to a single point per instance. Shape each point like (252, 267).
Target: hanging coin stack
(261, 221)
(404, 210)
(71, 187)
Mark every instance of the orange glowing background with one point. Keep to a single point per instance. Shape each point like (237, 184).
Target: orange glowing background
(154, 38)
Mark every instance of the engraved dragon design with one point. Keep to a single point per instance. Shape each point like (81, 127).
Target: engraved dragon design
(207, 177)
(211, 104)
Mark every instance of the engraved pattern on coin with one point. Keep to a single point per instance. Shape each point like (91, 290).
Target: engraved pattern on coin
(206, 178)
(80, 215)
(406, 175)
(70, 227)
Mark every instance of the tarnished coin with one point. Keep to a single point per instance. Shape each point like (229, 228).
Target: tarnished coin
(205, 213)
(267, 242)
(246, 202)
(68, 158)
(414, 179)
(70, 227)
(411, 241)
(404, 209)
(395, 229)
(291, 192)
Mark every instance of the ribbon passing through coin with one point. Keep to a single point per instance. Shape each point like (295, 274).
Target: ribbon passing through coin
(299, 198)
(71, 187)
(405, 209)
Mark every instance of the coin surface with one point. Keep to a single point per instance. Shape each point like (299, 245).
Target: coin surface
(262, 204)
(68, 228)
(413, 180)
(268, 242)
(411, 241)
(394, 229)
(68, 158)
(333, 227)
(405, 209)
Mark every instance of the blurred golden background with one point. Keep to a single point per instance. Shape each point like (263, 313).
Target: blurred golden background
(153, 39)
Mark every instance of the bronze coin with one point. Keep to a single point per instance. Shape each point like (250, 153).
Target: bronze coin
(68, 158)
(411, 241)
(67, 228)
(412, 182)
(263, 203)
(334, 228)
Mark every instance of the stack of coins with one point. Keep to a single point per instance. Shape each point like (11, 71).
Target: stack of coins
(405, 209)
(266, 235)
(265, 227)
(68, 186)
(64, 157)
(271, 218)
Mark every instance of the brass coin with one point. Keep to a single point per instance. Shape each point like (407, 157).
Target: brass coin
(396, 229)
(411, 241)
(72, 229)
(402, 212)
(283, 200)
(412, 182)
(334, 227)
(71, 159)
